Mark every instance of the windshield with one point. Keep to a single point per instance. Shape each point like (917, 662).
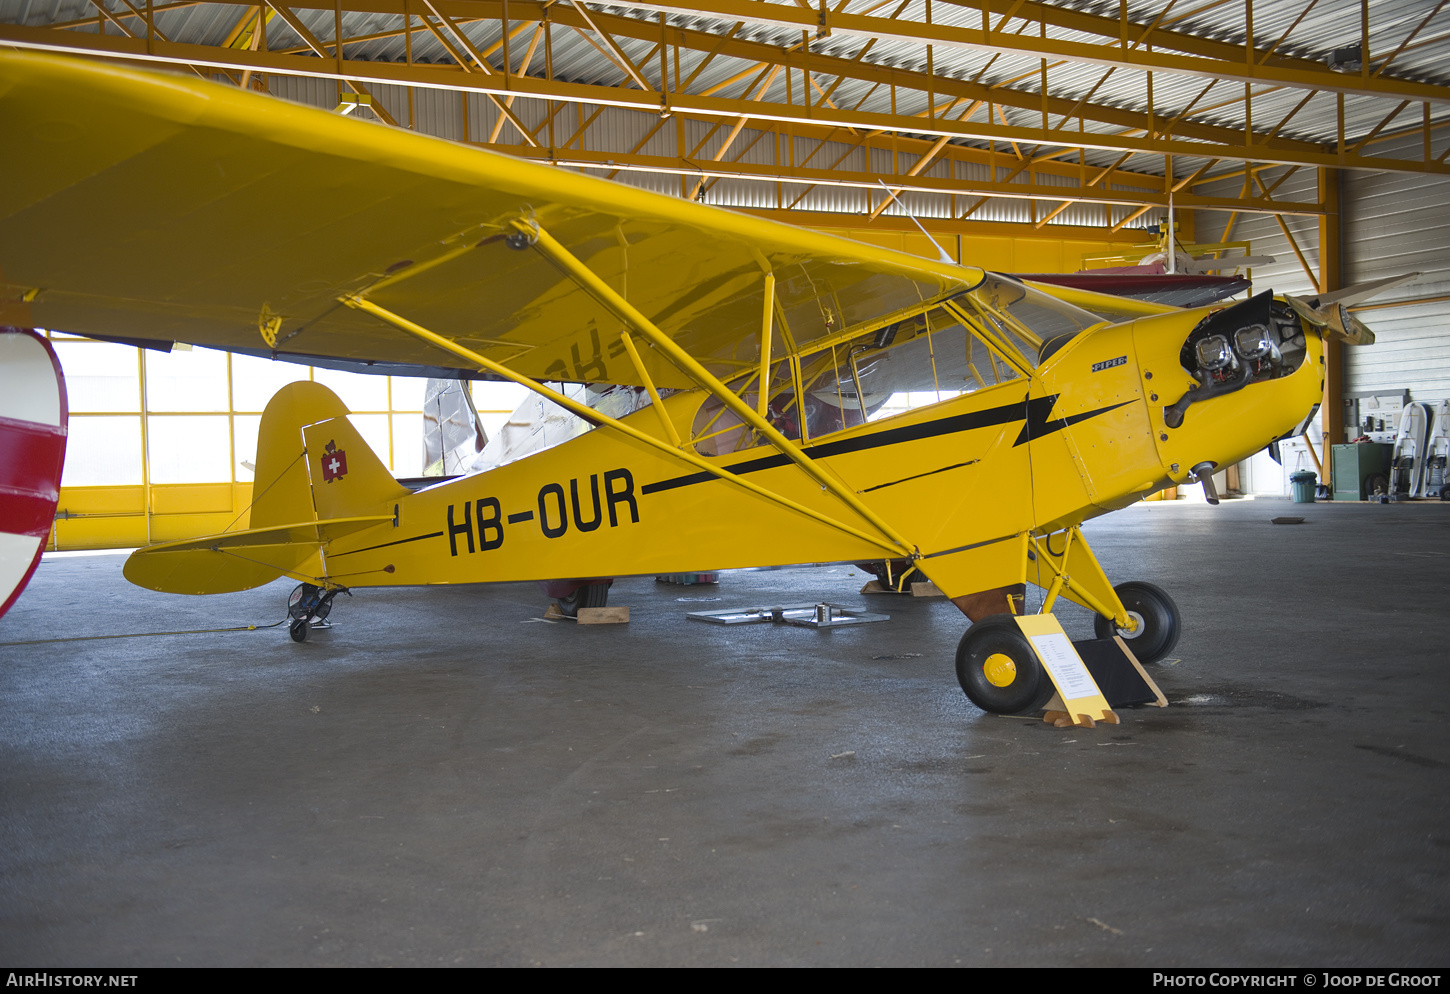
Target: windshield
(1025, 315)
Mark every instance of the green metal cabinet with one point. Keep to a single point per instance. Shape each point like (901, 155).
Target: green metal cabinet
(1356, 466)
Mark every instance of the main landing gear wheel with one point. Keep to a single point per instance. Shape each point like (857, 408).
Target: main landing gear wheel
(998, 669)
(1159, 623)
(585, 595)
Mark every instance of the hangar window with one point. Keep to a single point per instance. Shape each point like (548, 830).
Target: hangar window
(164, 444)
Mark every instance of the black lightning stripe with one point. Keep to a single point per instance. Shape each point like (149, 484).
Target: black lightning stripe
(1037, 425)
(930, 472)
(992, 416)
(1033, 414)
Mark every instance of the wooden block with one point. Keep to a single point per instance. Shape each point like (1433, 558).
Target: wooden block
(603, 615)
(554, 614)
(926, 589)
(875, 587)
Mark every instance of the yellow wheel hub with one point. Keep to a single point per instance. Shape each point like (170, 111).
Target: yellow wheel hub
(999, 670)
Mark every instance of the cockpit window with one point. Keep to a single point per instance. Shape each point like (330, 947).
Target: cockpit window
(914, 362)
(970, 342)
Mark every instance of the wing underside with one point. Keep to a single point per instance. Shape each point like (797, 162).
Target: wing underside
(159, 207)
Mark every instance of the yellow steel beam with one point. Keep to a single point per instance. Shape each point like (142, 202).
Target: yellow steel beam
(354, 72)
(1226, 63)
(615, 53)
(1293, 243)
(814, 114)
(479, 62)
(522, 71)
(921, 164)
(767, 172)
(316, 45)
(1408, 38)
(763, 54)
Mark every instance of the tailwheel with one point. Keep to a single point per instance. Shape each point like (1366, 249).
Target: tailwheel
(309, 602)
(998, 669)
(309, 605)
(584, 595)
(1158, 623)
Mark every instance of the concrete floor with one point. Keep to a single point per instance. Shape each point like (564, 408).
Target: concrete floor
(443, 780)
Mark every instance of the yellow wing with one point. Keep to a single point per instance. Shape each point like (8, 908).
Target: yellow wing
(160, 207)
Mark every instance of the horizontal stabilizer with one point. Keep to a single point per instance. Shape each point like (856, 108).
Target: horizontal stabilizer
(240, 560)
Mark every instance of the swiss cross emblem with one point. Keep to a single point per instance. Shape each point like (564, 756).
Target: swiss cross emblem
(334, 463)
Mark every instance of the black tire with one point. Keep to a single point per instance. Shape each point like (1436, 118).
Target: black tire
(1159, 623)
(585, 595)
(298, 630)
(998, 669)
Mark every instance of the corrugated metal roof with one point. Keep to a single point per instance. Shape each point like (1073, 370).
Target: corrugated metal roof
(1317, 32)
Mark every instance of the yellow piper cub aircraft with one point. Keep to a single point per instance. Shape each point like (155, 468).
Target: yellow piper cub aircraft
(156, 207)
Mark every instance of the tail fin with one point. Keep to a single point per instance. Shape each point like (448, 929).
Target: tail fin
(282, 493)
(312, 463)
(313, 469)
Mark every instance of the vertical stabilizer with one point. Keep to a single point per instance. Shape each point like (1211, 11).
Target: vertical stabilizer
(282, 493)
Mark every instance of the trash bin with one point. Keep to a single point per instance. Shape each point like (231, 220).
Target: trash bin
(1302, 483)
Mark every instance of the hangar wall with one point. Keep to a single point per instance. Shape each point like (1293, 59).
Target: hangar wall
(1393, 223)
(1399, 223)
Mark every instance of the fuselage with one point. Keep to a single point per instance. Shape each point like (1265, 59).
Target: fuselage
(1083, 434)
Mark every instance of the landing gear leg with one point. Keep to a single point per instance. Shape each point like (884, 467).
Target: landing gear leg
(1142, 614)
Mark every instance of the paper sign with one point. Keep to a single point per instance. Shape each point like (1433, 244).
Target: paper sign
(1064, 665)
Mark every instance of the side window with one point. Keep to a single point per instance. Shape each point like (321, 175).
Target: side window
(718, 431)
(921, 360)
(940, 359)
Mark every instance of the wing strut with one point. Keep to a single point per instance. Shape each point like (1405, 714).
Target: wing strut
(896, 548)
(532, 234)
